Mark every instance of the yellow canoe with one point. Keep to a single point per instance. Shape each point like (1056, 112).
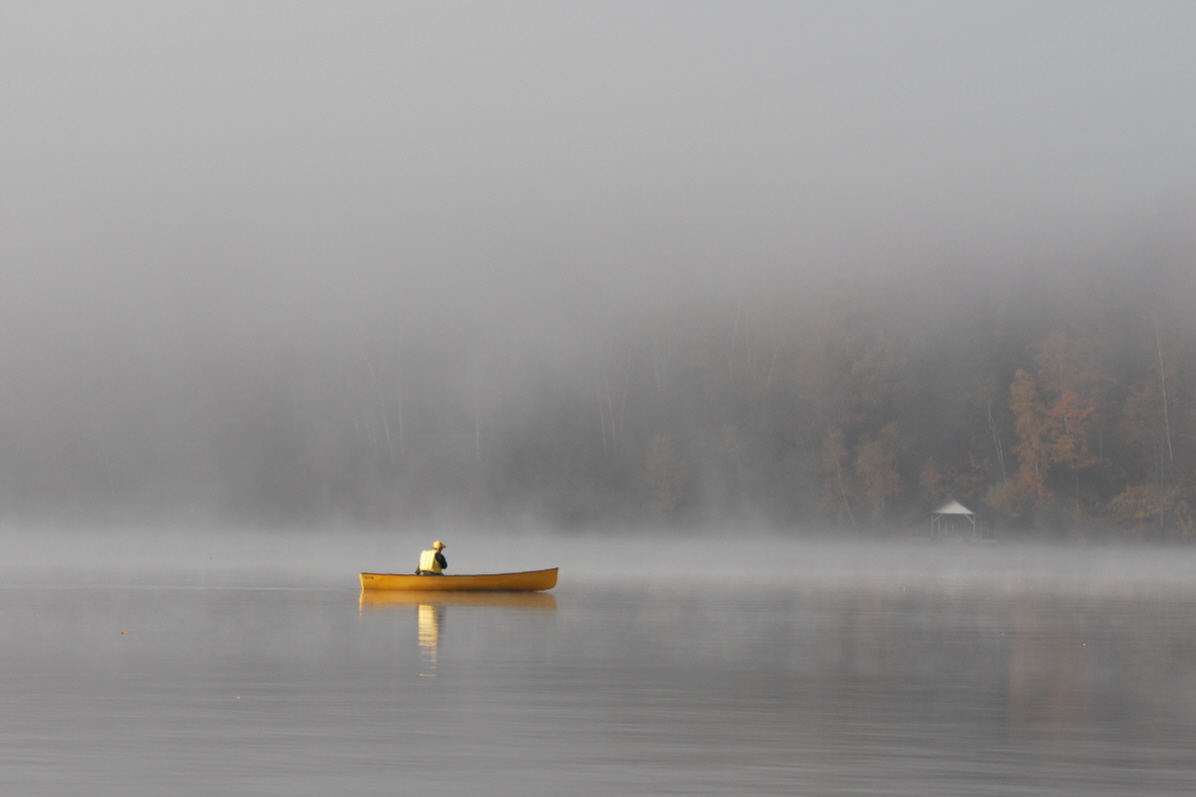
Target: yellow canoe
(528, 581)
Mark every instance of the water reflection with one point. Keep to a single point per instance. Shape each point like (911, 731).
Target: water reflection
(431, 609)
(430, 618)
(923, 681)
(386, 598)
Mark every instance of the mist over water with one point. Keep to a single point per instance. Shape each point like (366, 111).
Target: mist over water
(729, 558)
(655, 667)
(707, 304)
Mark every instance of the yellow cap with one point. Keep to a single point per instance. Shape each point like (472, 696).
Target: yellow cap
(438, 545)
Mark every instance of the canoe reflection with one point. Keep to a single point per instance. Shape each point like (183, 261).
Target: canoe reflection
(381, 599)
(432, 606)
(430, 619)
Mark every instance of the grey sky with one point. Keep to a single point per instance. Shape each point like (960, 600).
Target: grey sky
(305, 162)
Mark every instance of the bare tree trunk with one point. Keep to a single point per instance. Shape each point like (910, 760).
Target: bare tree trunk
(1163, 388)
(376, 389)
(399, 401)
(622, 403)
(992, 425)
(477, 425)
(843, 492)
(1160, 492)
(366, 420)
(390, 447)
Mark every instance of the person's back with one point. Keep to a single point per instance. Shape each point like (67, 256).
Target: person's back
(432, 561)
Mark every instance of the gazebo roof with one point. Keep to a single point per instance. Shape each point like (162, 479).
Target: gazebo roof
(953, 508)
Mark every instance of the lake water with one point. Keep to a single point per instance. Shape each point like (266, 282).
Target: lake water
(900, 669)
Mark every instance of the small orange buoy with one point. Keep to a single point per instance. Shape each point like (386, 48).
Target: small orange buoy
(124, 633)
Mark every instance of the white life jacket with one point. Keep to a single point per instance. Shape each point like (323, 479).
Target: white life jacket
(428, 563)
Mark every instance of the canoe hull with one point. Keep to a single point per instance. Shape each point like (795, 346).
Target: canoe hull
(399, 598)
(528, 581)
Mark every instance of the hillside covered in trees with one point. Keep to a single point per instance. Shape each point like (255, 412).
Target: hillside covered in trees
(815, 267)
(1051, 389)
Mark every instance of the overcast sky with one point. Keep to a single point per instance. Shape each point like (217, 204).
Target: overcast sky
(264, 164)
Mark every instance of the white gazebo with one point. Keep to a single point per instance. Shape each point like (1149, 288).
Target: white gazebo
(944, 519)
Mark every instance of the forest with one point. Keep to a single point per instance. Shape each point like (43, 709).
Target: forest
(1052, 391)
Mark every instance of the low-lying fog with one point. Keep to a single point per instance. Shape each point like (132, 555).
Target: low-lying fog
(730, 560)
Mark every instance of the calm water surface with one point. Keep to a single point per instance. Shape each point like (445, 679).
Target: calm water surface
(906, 672)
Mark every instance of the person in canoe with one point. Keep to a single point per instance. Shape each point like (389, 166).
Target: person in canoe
(432, 561)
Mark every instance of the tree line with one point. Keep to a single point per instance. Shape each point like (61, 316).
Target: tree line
(1050, 400)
